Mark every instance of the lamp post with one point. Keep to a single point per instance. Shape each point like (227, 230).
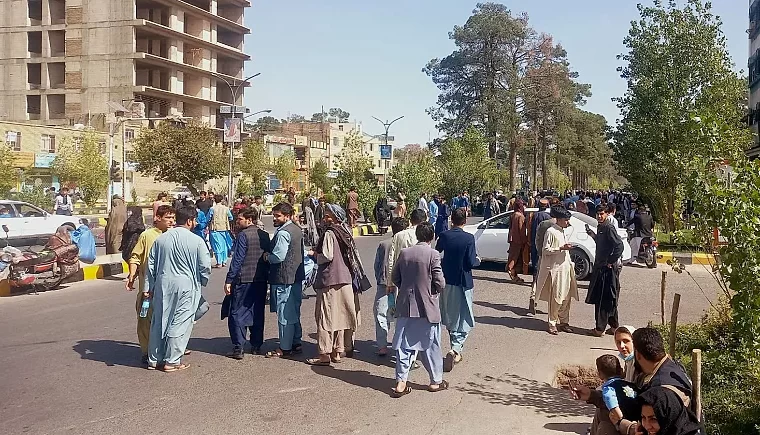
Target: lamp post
(234, 89)
(387, 126)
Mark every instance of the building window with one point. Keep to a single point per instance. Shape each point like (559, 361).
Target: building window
(387, 164)
(379, 163)
(47, 143)
(13, 140)
(129, 135)
(340, 128)
(336, 142)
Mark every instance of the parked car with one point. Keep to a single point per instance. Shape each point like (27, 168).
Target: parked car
(492, 240)
(31, 225)
(181, 192)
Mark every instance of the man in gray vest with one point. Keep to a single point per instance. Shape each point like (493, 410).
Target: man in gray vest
(286, 275)
(246, 285)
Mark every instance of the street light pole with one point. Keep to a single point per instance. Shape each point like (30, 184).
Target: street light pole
(387, 126)
(234, 91)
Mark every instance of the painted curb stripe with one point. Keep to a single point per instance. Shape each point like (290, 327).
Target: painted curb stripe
(686, 259)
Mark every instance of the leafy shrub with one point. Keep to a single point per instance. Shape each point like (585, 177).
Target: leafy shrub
(730, 377)
(35, 195)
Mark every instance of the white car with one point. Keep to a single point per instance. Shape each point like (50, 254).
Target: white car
(492, 240)
(29, 224)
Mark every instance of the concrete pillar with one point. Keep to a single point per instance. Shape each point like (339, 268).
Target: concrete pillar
(214, 7)
(45, 12)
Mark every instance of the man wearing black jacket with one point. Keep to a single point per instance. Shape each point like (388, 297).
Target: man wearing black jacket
(604, 289)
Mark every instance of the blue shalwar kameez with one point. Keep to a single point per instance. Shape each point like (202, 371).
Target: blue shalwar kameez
(285, 299)
(221, 241)
(178, 266)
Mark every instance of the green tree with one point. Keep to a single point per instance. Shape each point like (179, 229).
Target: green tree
(677, 64)
(8, 171)
(284, 168)
(340, 114)
(415, 171)
(254, 164)
(319, 176)
(81, 163)
(264, 124)
(184, 155)
(295, 118)
(582, 150)
(465, 164)
(355, 167)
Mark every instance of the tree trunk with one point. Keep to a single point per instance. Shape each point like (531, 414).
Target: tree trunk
(544, 173)
(670, 211)
(534, 179)
(512, 164)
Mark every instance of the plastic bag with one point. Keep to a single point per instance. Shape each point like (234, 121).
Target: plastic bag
(85, 241)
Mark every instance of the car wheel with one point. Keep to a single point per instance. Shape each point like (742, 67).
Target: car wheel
(582, 263)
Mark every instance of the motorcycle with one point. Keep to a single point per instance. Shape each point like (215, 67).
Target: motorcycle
(29, 270)
(647, 251)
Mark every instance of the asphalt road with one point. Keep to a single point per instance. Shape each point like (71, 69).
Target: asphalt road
(71, 364)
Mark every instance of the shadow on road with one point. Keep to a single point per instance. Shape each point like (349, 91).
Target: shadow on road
(362, 378)
(528, 323)
(503, 307)
(579, 428)
(527, 393)
(110, 352)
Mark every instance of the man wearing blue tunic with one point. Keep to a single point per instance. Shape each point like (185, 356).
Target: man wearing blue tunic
(419, 279)
(433, 210)
(286, 275)
(246, 285)
(178, 266)
(459, 257)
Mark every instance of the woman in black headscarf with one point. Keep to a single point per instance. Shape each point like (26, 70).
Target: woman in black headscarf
(133, 227)
(663, 413)
(382, 214)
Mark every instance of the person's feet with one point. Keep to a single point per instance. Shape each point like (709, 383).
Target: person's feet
(434, 388)
(553, 330)
(532, 307)
(401, 389)
(236, 353)
(323, 360)
(334, 357)
(256, 350)
(564, 327)
(610, 331)
(452, 358)
(597, 333)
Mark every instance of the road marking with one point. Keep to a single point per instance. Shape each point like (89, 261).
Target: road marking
(293, 390)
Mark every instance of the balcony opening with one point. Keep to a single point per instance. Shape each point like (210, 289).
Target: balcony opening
(195, 26)
(231, 12)
(57, 40)
(57, 11)
(193, 85)
(33, 106)
(56, 75)
(193, 111)
(230, 39)
(146, 75)
(34, 75)
(194, 56)
(148, 11)
(56, 106)
(203, 4)
(154, 107)
(223, 92)
(230, 67)
(156, 47)
(35, 12)
(34, 43)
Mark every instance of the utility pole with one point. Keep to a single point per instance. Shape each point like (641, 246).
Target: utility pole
(234, 91)
(386, 151)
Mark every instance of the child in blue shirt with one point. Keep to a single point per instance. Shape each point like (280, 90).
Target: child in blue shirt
(619, 395)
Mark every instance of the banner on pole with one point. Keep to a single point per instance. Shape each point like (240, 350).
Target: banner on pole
(232, 130)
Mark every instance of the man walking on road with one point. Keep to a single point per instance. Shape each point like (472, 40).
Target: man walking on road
(138, 261)
(556, 277)
(535, 248)
(383, 281)
(419, 277)
(459, 258)
(246, 285)
(604, 288)
(352, 206)
(286, 275)
(422, 204)
(178, 266)
(433, 210)
(220, 236)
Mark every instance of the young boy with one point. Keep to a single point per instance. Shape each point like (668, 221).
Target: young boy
(619, 395)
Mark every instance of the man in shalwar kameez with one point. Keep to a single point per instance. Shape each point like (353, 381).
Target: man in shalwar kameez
(556, 277)
(246, 285)
(459, 257)
(419, 278)
(286, 275)
(219, 222)
(178, 266)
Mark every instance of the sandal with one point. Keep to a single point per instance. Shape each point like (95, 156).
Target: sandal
(564, 327)
(396, 394)
(444, 385)
(317, 362)
(553, 330)
(279, 353)
(596, 333)
(168, 368)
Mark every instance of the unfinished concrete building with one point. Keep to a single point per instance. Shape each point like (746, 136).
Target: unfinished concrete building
(62, 61)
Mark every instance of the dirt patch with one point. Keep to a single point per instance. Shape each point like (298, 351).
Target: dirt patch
(577, 375)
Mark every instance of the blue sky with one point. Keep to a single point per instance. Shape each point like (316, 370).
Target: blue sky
(366, 56)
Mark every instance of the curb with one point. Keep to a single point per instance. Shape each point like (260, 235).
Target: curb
(365, 230)
(686, 258)
(86, 273)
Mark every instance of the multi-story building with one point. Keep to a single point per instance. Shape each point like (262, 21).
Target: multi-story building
(63, 61)
(754, 73)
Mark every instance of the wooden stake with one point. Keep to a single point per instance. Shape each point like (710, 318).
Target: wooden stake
(674, 322)
(696, 377)
(662, 296)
